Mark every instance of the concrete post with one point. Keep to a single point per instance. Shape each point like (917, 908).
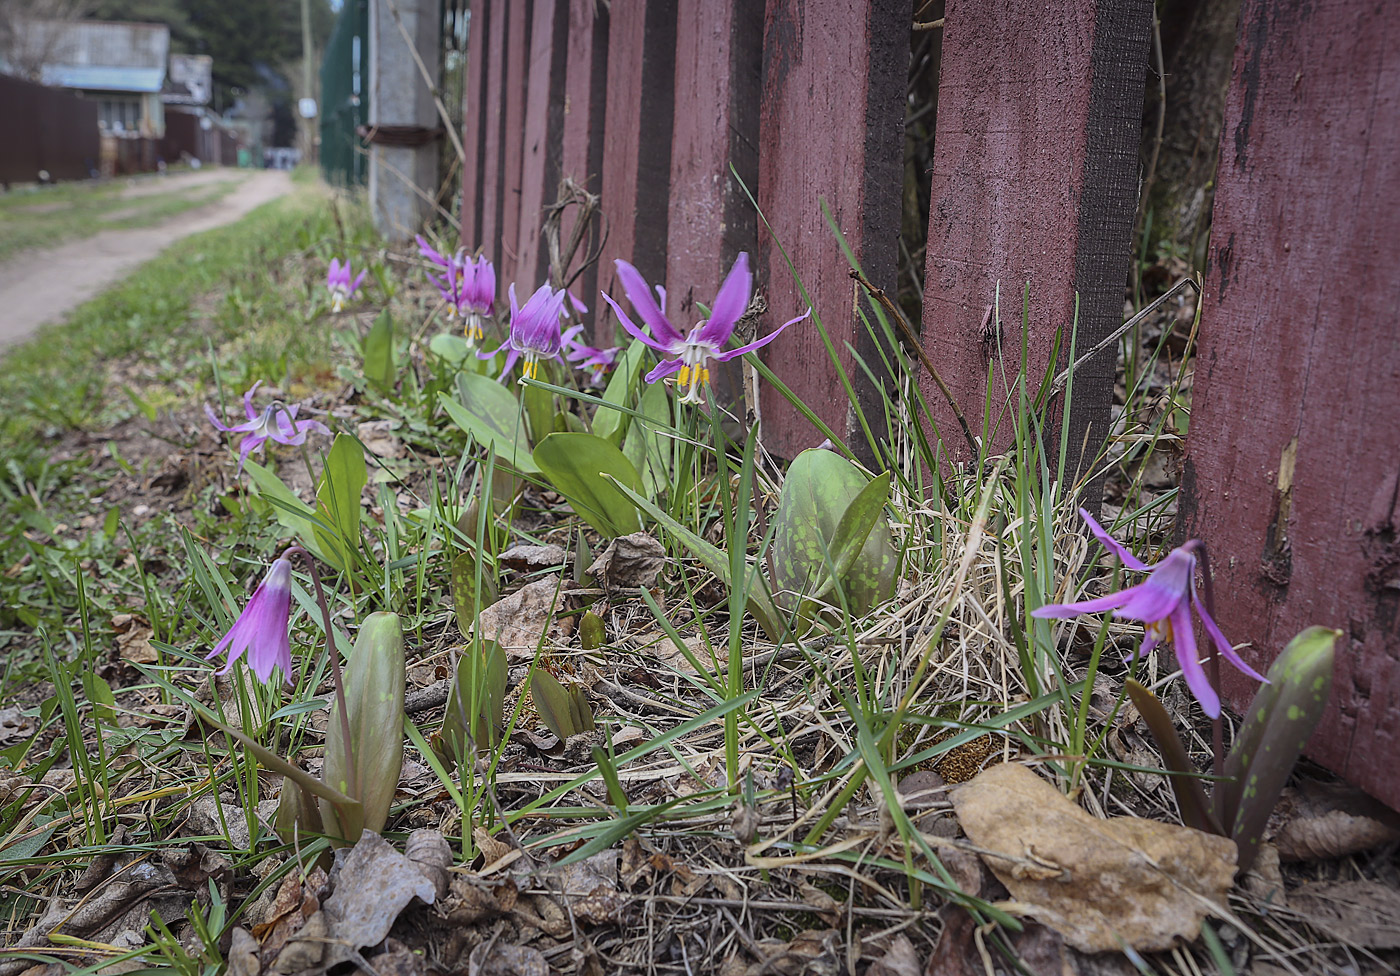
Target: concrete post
(403, 122)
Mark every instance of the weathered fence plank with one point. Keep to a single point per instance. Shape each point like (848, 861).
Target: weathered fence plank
(1293, 458)
(1034, 181)
(544, 129)
(492, 178)
(637, 163)
(474, 125)
(831, 126)
(513, 139)
(719, 59)
(581, 149)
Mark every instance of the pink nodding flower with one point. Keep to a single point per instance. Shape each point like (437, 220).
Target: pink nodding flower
(276, 423)
(468, 285)
(1163, 602)
(341, 285)
(261, 630)
(691, 353)
(534, 332)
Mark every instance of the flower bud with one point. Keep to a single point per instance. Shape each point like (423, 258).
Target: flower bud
(590, 631)
(374, 692)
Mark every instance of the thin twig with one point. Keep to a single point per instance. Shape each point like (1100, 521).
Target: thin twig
(1118, 333)
(913, 340)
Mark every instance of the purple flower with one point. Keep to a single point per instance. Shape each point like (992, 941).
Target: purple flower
(691, 354)
(1163, 602)
(276, 422)
(341, 285)
(261, 629)
(534, 331)
(584, 356)
(467, 285)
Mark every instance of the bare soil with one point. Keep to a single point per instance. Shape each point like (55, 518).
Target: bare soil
(42, 286)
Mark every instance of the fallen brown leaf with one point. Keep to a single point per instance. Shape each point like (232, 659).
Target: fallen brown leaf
(378, 438)
(1360, 912)
(533, 557)
(518, 621)
(494, 959)
(1320, 821)
(899, 959)
(371, 887)
(134, 638)
(1101, 884)
(629, 560)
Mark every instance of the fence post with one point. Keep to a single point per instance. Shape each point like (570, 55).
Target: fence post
(1034, 183)
(401, 172)
(637, 153)
(719, 59)
(1293, 459)
(831, 127)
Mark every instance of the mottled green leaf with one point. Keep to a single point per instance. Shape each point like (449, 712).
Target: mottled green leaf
(466, 601)
(338, 500)
(556, 707)
(830, 516)
(1272, 735)
(622, 384)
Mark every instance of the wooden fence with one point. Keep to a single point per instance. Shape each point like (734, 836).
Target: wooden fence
(45, 129)
(664, 107)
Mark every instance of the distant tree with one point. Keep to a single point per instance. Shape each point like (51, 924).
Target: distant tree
(249, 40)
(24, 47)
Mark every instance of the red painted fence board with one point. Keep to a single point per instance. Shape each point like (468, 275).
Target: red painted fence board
(544, 115)
(1293, 457)
(1034, 181)
(718, 67)
(637, 160)
(474, 126)
(581, 145)
(513, 142)
(832, 126)
(492, 180)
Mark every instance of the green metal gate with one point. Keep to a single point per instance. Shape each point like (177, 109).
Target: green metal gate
(345, 96)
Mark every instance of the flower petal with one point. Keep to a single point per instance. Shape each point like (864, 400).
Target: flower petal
(248, 401)
(1062, 611)
(664, 369)
(1189, 660)
(1167, 587)
(730, 303)
(1112, 544)
(635, 287)
(637, 333)
(725, 357)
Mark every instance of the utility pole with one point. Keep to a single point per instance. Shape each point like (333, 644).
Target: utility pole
(308, 88)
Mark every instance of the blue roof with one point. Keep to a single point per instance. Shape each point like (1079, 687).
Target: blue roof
(104, 77)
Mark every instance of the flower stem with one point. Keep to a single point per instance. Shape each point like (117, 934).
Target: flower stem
(314, 571)
(1217, 725)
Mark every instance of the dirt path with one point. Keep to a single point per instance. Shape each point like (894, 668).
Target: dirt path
(37, 287)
